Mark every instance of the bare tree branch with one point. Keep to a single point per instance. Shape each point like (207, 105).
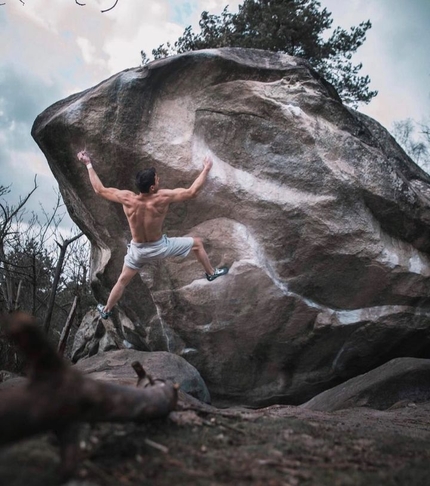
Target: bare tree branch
(21, 204)
(66, 329)
(113, 6)
(77, 3)
(58, 270)
(18, 295)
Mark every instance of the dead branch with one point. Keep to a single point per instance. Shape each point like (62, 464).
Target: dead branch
(10, 213)
(113, 6)
(66, 329)
(18, 295)
(77, 3)
(58, 271)
(58, 397)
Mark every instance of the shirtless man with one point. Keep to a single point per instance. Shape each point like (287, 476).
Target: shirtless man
(145, 214)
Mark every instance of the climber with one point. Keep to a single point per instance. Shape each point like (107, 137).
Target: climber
(145, 213)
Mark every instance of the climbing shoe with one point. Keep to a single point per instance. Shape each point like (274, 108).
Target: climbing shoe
(217, 273)
(103, 314)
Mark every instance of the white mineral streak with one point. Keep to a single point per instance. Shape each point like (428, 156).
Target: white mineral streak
(327, 316)
(100, 259)
(337, 357)
(296, 110)
(418, 265)
(189, 351)
(400, 255)
(346, 317)
(389, 258)
(223, 174)
(256, 258)
(366, 314)
(163, 326)
(263, 262)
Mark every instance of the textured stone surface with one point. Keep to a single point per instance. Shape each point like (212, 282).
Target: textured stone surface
(115, 367)
(322, 217)
(93, 336)
(400, 381)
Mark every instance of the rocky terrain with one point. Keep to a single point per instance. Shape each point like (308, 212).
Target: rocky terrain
(276, 446)
(334, 439)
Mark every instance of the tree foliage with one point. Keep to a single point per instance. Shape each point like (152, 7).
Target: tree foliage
(296, 27)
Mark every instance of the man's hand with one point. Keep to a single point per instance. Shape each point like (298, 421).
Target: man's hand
(207, 164)
(84, 157)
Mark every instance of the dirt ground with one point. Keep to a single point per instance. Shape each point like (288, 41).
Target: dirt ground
(279, 445)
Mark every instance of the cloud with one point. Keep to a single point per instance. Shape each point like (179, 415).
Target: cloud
(54, 48)
(395, 54)
(22, 98)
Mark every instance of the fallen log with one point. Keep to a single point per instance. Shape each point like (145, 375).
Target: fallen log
(58, 398)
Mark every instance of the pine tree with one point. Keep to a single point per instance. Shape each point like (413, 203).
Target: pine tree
(296, 27)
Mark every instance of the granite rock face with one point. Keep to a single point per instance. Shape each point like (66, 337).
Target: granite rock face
(323, 219)
(94, 336)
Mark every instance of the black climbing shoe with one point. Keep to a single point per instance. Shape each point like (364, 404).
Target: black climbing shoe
(217, 273)
(103, 314)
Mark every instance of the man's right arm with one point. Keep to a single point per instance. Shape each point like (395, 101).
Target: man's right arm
(109, 193)
(178, 195)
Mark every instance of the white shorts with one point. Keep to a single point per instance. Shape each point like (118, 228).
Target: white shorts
(139, 253)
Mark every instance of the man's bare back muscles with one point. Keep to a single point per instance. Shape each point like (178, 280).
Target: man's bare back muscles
(146, 214)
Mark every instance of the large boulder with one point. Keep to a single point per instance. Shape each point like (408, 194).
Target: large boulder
(323, 219)
(115, 367)
(400, 381)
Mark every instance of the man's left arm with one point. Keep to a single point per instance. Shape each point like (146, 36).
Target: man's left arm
(179, 194)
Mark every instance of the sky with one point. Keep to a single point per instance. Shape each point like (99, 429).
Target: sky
(53, 48)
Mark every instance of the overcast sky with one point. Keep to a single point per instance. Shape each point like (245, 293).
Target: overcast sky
(53, 48)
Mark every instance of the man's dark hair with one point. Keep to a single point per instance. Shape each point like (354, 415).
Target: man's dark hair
(145, 179)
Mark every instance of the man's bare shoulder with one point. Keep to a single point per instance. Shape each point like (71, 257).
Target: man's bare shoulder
(117, 195)
(127, 193)
(175, 195)
(126, 196)
(166, 194)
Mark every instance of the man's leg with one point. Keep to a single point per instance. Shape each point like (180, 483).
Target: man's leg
(124, 279)
(202, 256)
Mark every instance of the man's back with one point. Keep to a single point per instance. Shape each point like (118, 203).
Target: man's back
(145, 214)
